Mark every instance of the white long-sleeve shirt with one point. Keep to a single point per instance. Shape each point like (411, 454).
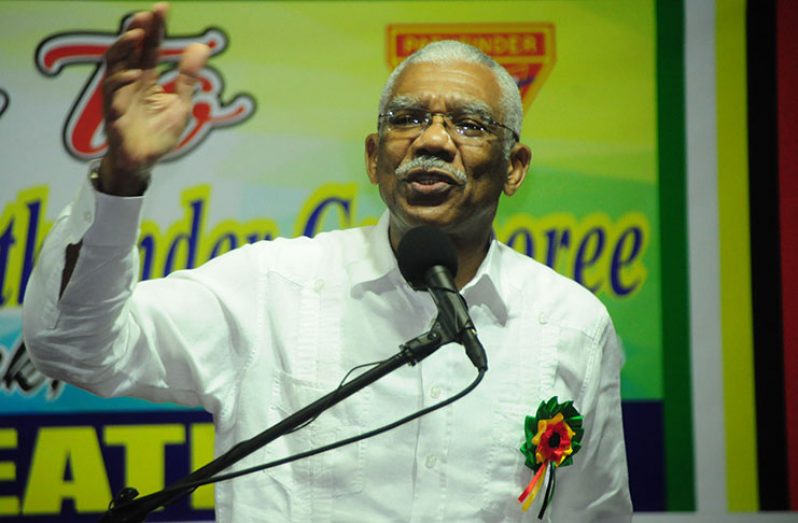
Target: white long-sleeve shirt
(258, 333)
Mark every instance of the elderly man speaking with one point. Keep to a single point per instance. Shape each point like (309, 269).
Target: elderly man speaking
(261, 331)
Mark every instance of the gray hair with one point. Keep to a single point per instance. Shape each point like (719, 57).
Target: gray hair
(448, 51)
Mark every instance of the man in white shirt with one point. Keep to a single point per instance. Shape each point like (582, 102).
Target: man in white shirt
(260, 332)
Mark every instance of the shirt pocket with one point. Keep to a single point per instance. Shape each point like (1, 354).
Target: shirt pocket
(504, 472)
(529, 371)
(333, 473)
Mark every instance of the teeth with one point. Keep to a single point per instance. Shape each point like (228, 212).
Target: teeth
(428, 178)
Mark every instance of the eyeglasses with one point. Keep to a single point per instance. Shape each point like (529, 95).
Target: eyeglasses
(469, 128)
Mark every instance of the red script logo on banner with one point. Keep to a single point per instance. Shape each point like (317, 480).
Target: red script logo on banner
(83, 132)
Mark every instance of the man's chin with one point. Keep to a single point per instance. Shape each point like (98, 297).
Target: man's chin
(429, 199)
(431, 215)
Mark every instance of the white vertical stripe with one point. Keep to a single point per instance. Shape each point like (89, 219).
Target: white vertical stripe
(702, 199)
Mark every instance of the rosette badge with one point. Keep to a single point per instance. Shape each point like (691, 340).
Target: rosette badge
(551, 438)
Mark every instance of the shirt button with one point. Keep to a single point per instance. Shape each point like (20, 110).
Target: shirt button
(318, 285)
(87, 216)
(431, 461)
(542, 319)
(435, 392)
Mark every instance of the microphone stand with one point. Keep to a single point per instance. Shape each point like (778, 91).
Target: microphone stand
(126, 507)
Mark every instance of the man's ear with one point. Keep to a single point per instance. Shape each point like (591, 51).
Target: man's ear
(372, 146)
(520, 157)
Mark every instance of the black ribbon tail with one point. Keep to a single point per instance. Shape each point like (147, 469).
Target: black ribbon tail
(549, 492)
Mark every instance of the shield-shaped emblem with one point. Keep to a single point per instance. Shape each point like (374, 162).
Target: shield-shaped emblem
(525, 49)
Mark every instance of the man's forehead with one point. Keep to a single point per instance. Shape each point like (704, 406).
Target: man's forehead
(455, 84)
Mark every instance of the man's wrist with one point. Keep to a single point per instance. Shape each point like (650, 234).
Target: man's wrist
(105, 179)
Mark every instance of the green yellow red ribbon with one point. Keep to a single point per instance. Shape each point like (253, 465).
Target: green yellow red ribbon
(551, 438)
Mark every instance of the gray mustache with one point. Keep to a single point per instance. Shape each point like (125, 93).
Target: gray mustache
(428, 163)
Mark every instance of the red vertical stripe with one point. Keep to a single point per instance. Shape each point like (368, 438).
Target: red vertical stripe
(787, 65)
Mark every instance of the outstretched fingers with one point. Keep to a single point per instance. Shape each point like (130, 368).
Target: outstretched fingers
(139, 45)
(125, 52)
(151, 44)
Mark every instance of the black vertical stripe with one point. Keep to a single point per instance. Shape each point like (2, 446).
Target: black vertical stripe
(765, 255)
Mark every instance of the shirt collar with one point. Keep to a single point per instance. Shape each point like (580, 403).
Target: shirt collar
(378, 261)
(379, 266)
(486, 286)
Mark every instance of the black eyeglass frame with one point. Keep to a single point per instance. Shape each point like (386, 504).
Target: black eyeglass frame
(447, 118)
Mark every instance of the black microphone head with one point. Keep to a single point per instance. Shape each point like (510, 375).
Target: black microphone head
(422, 248)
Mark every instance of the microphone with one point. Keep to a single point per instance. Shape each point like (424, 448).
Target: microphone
(428, 262)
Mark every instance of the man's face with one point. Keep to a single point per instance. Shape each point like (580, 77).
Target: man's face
(436, 178)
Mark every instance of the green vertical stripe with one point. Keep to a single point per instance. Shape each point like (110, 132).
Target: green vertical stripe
(679, 481)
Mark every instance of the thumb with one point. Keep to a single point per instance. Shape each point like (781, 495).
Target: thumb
(193, 60)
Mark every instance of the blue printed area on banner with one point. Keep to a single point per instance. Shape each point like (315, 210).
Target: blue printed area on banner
(60, 467)
(10, 326)
(67, 466)
(24, 390)
(643, 431)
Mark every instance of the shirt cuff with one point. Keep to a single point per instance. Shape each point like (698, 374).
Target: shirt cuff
(109, 221)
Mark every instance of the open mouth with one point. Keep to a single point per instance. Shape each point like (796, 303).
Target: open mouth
(430, 178)
(428, 185)
(430, 181)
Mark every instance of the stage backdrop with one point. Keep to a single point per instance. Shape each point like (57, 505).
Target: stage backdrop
(275, 148)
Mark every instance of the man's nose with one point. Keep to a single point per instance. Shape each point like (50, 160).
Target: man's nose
(435, 138)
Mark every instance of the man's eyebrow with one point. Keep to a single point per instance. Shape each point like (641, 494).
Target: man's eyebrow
(469, 107)
(404, 102)
(473, 107)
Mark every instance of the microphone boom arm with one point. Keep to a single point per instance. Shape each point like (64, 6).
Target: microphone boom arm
(126, 507)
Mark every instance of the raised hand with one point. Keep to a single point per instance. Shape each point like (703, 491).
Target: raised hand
(142, 121)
